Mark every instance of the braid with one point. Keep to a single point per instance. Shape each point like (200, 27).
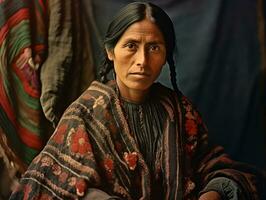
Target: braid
(171, 64)
(106, 67)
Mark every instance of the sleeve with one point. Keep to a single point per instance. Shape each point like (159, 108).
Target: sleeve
(249, 179)
(227, 188)
(210, 162)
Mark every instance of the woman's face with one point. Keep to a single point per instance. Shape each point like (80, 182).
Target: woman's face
(138, 57)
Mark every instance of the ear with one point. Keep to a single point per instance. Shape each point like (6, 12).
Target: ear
(110, 54)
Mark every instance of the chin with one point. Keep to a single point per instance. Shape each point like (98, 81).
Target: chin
(139, 86)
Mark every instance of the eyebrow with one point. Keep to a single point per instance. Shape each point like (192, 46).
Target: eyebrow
(131, 40)
(138, 41)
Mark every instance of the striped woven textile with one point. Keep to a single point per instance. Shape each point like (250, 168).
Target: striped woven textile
(23, 47)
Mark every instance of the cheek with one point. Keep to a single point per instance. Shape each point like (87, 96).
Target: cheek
(120, 70)
(121, 60)
(158, 63)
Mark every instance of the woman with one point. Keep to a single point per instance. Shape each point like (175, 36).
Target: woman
(131, 138)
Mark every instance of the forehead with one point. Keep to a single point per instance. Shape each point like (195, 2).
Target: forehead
(144, 28)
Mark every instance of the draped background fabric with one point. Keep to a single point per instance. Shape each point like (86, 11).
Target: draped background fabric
(219, 67)
(23, 44)
(68, 69)
(45, 63)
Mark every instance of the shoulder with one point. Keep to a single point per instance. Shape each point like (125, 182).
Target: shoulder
(163, 92)
(96, 97)
(176, 101)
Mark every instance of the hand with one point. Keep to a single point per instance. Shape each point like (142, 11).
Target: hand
(212, 195)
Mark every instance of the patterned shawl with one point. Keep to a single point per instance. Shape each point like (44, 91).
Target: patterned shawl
(92, 148)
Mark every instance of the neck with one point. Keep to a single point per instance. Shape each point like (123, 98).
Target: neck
(132, 95)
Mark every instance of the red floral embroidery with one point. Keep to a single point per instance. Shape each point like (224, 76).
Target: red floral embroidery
(80, 142)
(191, 127)
(81, 187)
(108, 165)
(27, 191)
(60, 133)
(131, 159)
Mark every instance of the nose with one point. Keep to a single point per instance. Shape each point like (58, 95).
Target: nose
(142, 57)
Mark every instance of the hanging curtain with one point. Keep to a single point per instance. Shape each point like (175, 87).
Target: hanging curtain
(23, 48)
(45, 63)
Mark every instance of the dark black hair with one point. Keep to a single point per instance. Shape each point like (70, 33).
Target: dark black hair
(135, 12)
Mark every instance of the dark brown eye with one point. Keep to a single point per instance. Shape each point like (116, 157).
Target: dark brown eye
(154, 47)
(131, 45)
